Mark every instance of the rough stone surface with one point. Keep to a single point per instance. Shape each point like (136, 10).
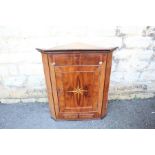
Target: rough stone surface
(133, 114)
(21, 71)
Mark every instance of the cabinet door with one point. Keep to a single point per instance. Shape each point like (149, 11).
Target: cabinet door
(78, 88)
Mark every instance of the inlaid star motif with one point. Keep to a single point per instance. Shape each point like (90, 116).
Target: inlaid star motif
(78, 91)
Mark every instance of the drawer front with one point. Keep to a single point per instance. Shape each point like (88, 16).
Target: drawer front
(86, 116)
(77, 59)
(68, 116)
(78, 116)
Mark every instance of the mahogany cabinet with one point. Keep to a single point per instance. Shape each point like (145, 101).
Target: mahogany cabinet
(77, 79)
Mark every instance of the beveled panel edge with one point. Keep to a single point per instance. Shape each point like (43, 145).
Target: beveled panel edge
(76, 50)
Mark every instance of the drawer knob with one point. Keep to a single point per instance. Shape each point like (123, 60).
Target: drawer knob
(100, 63)
(53, 64)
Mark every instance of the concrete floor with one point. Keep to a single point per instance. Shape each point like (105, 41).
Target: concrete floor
(121, 115)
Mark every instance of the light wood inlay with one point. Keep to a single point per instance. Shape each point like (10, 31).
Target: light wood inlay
(77, 91)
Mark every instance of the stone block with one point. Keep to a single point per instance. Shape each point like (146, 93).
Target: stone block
(17, 58)
(147, 75)
(137, 42)
(99, 31)
(149, 31)
(31, 69)
(10, 101)
(4, 93)
(151, 66)
(131, 30)
(42, 100)
(8, 70)
(36, 82)
(137, 54)
(134, 95)
(117, 76)
(151, 86)
(103, 41)
(136, 60)
(123, 53)
(125, 77)
(143, 55)
(131, 77)
(14, 81)
(28, 100)
(114, 66)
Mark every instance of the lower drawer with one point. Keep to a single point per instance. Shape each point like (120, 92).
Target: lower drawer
(68, 116)
(86, 116)
(78, 116)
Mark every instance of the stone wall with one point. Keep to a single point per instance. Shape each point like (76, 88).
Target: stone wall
(21, 71)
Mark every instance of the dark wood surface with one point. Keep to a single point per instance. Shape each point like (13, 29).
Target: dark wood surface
(103, 50)
(77, 83)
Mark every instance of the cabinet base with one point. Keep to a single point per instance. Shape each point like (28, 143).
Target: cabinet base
(79, 119)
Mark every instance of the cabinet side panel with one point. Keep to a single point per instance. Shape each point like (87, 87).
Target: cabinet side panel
(54, 86)
(106, 84)
(48, 84)
(101, 87)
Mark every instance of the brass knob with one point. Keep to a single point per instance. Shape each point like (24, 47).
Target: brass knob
(53, 64)
(100, 63)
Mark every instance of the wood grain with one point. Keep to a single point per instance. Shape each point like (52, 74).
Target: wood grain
(106, 84)
(77, 83)
(48, 84)
(101, 85)
(53, 83)
(79, 88)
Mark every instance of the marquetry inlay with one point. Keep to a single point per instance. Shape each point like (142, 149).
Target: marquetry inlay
(78, 91)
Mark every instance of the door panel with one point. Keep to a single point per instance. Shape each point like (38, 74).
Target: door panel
(78, 88)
